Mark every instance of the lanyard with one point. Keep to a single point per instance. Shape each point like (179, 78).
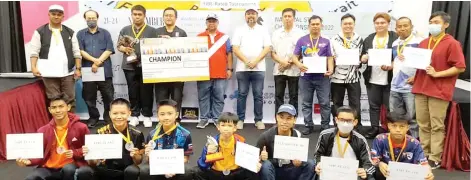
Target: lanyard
(314, 48)
(156, 134)
(436, 42)
(126, 138)
(400, 49)
(346, 44)
(391, 149)
(140, 31)
(383, 44)
(61, 141)
(339, 148)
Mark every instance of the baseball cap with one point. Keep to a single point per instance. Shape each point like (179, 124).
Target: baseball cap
(287, 108)
(56, 7)
(212, 16)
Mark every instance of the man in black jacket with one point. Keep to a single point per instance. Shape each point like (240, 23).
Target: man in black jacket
(378, 78)
(332, 141)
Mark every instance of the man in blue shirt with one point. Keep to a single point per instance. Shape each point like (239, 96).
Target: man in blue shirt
(96, 46)
(397, 146)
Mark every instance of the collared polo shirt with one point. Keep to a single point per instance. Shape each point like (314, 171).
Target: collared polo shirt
(251, 41)
(96, 44)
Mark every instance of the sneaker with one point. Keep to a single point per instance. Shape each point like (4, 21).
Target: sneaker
(308, 130)
(133, 121)
(147, 122)
(240, 125)
(434, 165)
(202, 124)
(215, 122)
(260, 125)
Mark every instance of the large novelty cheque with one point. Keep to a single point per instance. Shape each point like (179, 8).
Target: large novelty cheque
(174, 59)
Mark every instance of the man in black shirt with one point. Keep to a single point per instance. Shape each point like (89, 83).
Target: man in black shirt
(133, 147)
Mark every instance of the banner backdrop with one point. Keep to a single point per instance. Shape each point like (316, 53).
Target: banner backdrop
(114, 15)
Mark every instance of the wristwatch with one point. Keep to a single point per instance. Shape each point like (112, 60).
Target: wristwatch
(78, 68)
(230, 69)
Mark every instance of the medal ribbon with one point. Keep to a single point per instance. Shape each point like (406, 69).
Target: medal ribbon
(400, 49)
(314, 48)
(346, 44)
(391, 149)
(126, 138)
(436, 42)
(140, 32)
(156, 134)
(339, 148)
(383, 44)
(61, 141)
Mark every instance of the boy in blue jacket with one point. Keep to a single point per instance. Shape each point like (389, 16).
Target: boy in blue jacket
(217, 161)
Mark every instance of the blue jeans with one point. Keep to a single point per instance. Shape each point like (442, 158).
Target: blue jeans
(405, 103)
(288, 172)
(211, 98)
(244, 79)
(322, 89)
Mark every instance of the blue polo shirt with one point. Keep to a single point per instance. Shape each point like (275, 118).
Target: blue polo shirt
(179, 138)
(413, 152)
(95, 44)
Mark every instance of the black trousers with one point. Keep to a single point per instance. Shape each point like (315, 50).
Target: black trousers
(138, 95)
(211, 174)
(145, 174)
(378, 95)
(89, 94)
(378, 175)
(65, 173)
(338, 95)
(103, 173)
(170, 90)
(280, 85)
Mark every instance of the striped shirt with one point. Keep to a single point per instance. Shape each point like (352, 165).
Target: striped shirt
(342, 73)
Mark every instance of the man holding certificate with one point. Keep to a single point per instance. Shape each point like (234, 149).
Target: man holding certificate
(378, 77)
(64, 137)
(343, 142)
(133, 147)
(167, 135)
(217, 161)
(128, 44)
(434, 87)
(397, 146)
(273, 168)
(317, 65)
(347, 75)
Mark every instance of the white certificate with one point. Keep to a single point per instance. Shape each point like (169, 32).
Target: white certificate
(26, 146)
(51, 68)
(315, 64)
(291, 148)
(166, 161)
(348, 57)
(88, 75)
(333, 168)
(406, 171)
(417, 57)
(379, 57)
(104, 146)
(247, 156)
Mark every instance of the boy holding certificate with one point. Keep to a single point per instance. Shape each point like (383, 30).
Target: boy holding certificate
(133, 148)
(167, 135)
(343, 142)
(64, 137)
(397, 146)
(217, 161)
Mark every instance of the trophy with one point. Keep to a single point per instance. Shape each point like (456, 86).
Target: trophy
(214, 156)
(128, 41)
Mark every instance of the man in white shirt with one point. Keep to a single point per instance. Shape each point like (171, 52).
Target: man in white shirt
(58, 43)
(251, 43)
(284, 40)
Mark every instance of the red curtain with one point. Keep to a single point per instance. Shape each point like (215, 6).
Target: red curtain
(456, 146)
(22, 110)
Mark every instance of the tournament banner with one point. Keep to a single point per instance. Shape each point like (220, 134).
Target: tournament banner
(174, 59)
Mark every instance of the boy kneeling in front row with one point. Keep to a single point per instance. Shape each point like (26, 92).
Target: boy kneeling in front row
(217, 161)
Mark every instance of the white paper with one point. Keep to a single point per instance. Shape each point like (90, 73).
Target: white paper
(348, 57)
(104, 146)
(406, 171)
(51, 68)
(315, 64)
(26, 146)
(247, 156)
(417, 57)
(88, 75)
(379, 57)
(166, 161)
(338, 168)
(291, 148)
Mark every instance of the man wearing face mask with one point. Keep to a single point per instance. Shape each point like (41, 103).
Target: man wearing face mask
(343, 142)
(434, 87)
(96, 46)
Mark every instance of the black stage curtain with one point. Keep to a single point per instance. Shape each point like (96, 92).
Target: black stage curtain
(459, 25)
(12, 53)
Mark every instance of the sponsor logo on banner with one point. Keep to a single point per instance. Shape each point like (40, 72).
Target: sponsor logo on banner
(190, 113)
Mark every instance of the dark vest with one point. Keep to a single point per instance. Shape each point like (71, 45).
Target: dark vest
(66, 34)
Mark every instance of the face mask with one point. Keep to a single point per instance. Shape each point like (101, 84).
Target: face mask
(435, 29)
(345, 127)
(91, 23)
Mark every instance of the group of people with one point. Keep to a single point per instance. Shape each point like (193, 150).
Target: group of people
(414, 97)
